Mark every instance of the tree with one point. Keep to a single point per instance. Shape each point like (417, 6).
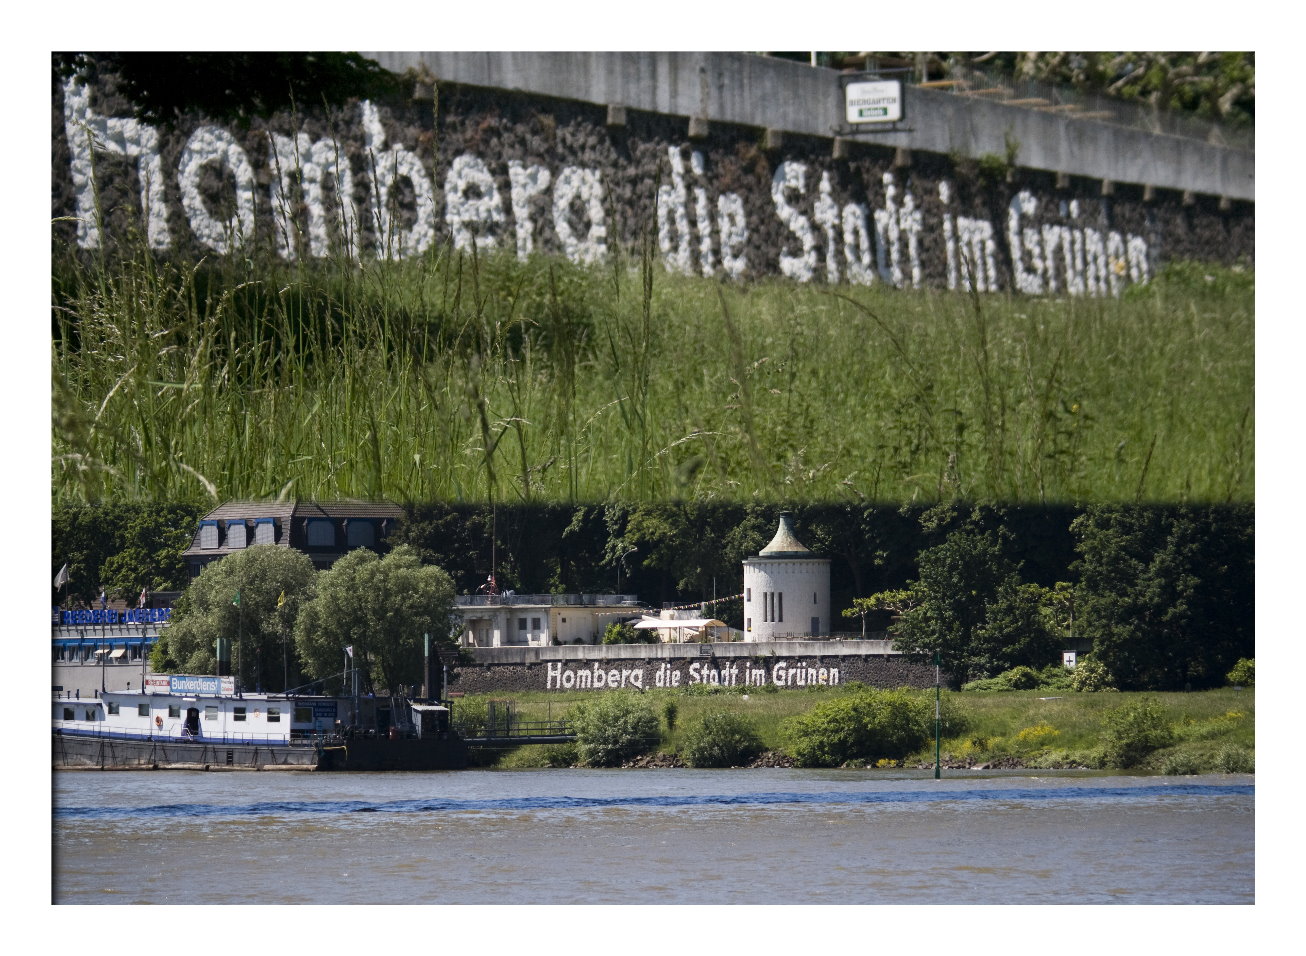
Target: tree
(1167, 594)
(230, 85)
(247, 602)
(122, 548)
(897, 603)
(381, 607)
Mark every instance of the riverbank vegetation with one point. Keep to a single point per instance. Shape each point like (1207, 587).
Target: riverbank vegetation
(1165, 733)
(466, 378)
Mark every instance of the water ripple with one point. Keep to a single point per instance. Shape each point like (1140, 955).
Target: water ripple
(1018, 794)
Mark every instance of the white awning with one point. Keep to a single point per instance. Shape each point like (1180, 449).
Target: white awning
(120, 652)
(692, 623)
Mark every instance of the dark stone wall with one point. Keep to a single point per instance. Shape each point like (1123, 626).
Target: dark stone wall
(787, 672)
(498, 128)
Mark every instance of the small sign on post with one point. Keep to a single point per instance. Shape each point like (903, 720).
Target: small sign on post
(873, 101)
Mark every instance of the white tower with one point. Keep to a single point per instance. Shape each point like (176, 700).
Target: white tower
(786, 590)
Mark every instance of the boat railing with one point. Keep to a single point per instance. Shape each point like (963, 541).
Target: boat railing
(91, 728)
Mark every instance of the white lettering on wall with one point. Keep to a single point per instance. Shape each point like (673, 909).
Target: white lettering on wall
(472, 206)
(792, 176)
(702, 215)
(311, 209)
(582, 187)
(317, 167)
(858, 253)
(826, 212)
(734, 234)
(673, 217)
(214, 146)
(525, 183)
(1024, 242)
(89, 134)
(387, 167)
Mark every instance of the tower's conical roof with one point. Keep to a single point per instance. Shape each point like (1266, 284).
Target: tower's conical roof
(785, 544)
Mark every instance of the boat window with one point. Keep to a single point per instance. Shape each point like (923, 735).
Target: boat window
(274, 715)
(303, 715)
(142, 710)
(210, 711)
(91, 714)
(113, 708)
(174, 710)
(238, 713)
(67, 713)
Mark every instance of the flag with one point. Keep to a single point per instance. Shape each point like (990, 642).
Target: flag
(281, 601)
(145, 596)
(63, 577)
(104, 599)
(350, 650)
(236, 601)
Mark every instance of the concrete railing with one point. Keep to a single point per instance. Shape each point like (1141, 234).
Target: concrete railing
(773, 94)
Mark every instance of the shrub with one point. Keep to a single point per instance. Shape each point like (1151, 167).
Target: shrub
(1135, 730)
(1182, 764)
(1235, 759)
(669, 711)
(1052, 677)
(869, 726)
(1243, 673)
(720, 739)
(613, 728)
(1090, 675)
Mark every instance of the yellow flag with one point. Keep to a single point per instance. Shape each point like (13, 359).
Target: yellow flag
(281, 600)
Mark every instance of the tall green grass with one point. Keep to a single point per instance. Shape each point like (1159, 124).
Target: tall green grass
(464, 377)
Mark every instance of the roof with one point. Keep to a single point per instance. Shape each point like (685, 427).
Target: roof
(285, 513)
(785, 544)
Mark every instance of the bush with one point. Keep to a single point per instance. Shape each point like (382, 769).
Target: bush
(613, 728)
(1235, 759)
(1135, 730)
(1243, 673)
(1090, 675)
(720, 739)
(670, 709)
(866, 726)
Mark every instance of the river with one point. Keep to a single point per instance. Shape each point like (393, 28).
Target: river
(651, 836)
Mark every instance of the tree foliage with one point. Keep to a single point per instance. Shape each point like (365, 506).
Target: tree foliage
(1167, 594)
(164, 86)
(381, 607)
(239, 601)
(122, 548)
(969, 605)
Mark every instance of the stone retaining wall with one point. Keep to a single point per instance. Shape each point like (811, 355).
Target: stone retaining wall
(519, 172)
(639, 667)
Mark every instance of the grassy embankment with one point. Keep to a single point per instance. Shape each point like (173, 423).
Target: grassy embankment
(1214, 731)
(454, 379)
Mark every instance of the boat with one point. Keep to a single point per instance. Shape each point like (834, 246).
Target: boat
(205, 722)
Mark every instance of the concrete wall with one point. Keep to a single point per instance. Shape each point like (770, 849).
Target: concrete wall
(749, 90)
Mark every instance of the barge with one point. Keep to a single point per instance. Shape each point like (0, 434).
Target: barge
(191, 722)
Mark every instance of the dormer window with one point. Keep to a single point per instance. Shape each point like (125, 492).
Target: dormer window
(237, 534)
(321, 533)
(265, 531)
(361, 533)
(208, 534)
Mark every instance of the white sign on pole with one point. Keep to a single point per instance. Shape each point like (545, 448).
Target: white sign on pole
(873, 101)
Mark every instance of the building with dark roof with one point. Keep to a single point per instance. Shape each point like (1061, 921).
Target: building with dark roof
(324, 530)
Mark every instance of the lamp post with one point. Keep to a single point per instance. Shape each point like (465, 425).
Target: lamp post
(621, 560)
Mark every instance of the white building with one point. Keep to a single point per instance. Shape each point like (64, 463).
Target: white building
(538, 620)
(786, 590)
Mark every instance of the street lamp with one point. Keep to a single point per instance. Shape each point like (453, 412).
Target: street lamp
(621, 559)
